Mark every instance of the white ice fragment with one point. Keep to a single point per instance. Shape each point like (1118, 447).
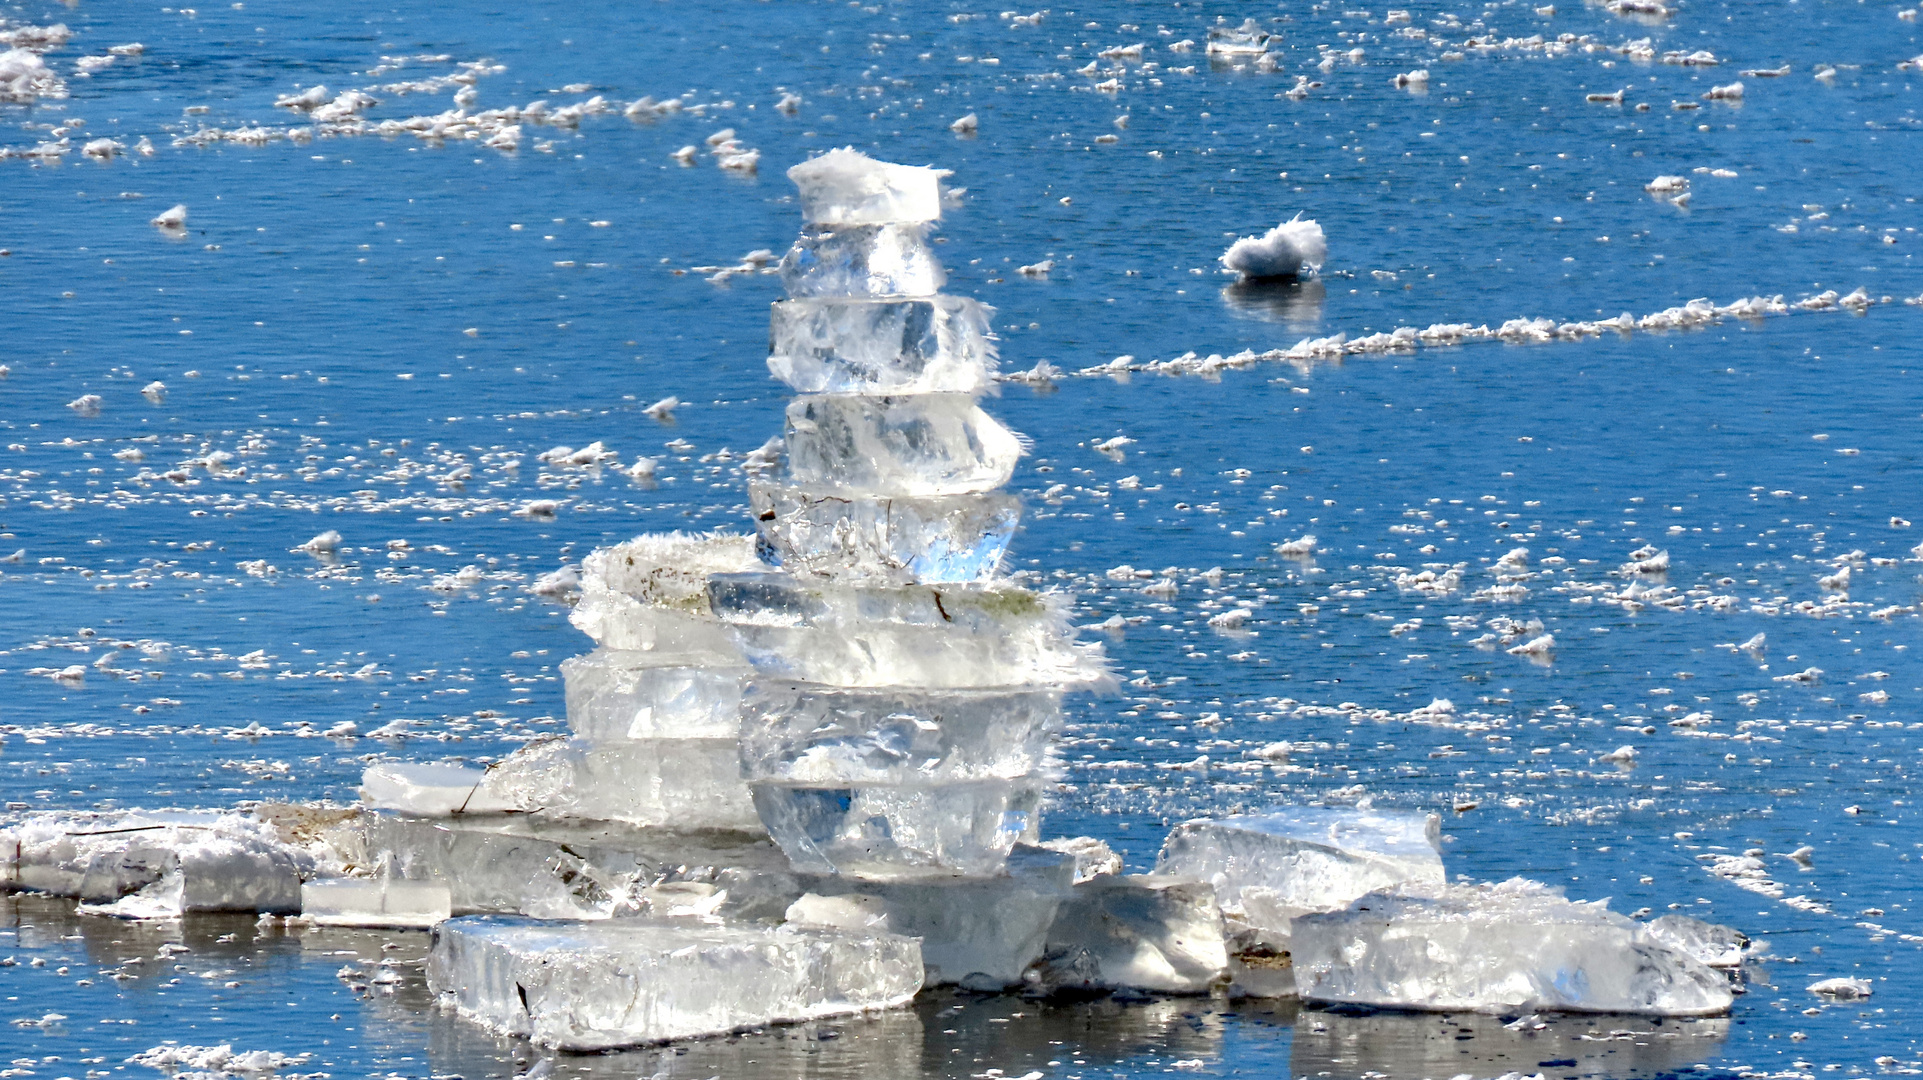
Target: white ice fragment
(154, 864)
(86, 404)
(172, 218)
(1417, 80)
(1842, 988)
(1666, 185)
(102, 149)
(307, 100)
(155, 392)
(1289, 250)
(851, 911)
(1536, 646)
(322, 544)
(1516, 946)
(599, 985)
(24, 77)
(377, 902)
(1622, 755)
(1092, 857)
(663, 409)
(966, 125)
(216, 1061)
(1732, 92)
(1297, 548)
(847, 187)
(1717, 946)
(789, 103)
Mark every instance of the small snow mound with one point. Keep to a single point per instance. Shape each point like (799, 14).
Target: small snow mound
(1289, 250)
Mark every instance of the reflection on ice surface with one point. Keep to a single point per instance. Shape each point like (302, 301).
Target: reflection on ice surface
(1417, 1046)
(1295, 304)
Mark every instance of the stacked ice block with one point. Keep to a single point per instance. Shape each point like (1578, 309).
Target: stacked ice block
(905, 693)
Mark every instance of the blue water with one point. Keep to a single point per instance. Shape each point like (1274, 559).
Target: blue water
(311, 326)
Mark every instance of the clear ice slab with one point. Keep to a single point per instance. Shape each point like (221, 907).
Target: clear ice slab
(430, 789)
(1269, 868)
(862, 260)
(628, 982)
(1516, 946)
(380, 902)
(1137, 931)
(807, 734)
(685, 783)
(532, 864)
(960, 636)
(920, 445)
(620, 695)
(651, 592)
(901, 831)
(847, 187)
(942, 539)
(981, 933)
(923, 345)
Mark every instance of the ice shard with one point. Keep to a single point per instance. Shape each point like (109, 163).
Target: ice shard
(626, 982)
(1516, 946)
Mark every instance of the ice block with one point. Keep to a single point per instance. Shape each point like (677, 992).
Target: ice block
(942, 539)
(862, 260)
(847, 187)
(901, 831)
(936, 344)
(919, 445)
(619, 695)
(802, 733)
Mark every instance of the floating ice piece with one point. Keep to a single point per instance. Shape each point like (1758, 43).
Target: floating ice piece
(1732, 92)
(533, 864)
(962, 636)
(596, 986)
(154, 865)
(307, 100)
(1289, 250)
(374, 902)
(684, 783)
(430, 789)
(216, 1061)
(1717, 946)
(1622, 755)
(937, 539)
(1270, 868)
(615, 695)
(862, 260)
(1417, 80)
(24, 78)
(966, 125)
(906, 346)
(895, 832)
(1141, 931)
(847, 187)
(1541, 645)
(1517, 946)
(820, 736)
(1245, 40)
(982, 933)
(1842, 988)
(1296, 548)
(921, 445)
(1666, 185)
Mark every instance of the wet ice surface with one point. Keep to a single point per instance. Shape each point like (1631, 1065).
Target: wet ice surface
(297, 358)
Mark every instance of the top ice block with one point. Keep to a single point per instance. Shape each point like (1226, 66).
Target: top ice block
(847, 187)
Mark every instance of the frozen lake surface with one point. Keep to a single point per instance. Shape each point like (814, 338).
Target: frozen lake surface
(379, 334)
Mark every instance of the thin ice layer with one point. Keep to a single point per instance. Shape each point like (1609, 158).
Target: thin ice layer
(375, 902)
(847, 187)
(161, 863)
(617, 695)
(910, 636)
(1269, 868)
(930, 539)
(532, 864)
(928, 444)
(936, 344)
(981, 933)
(1516, 946)
(862, 260)
(806, 734)
(902, 831)
(628, 982)
(685, 783)
(1139, 931)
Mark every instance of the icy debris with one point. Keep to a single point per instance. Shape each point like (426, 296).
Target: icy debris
(1291, 249)
(1267, 869)
(1297, 548)
(847, 187)
(325, 543)
(428, 789)
(1516, 946)
(683, 783)
(921, 445)
(1415, 81)
(965, 125)
(882, 346)
(1248, 39)
(25, 78)
(596, 986)
(155, 865)
(1842, 988)
(981, 933)
(652, 591)
(1717, 946)
(1732, 92)
(1142, 932)
(213, 1062)
(172, 218)
(379, 902)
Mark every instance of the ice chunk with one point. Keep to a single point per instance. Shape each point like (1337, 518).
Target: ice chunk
(1139, 931)
(1272, 867)
(686, 783)
(862, 260)
(617, 621)
(625, 982)
(900, 831)
(1717, 946)
(1249, 39)
(938, 539)
(430, 789)
(536, 865)
(847, 187)
(981, 933)
(24, 77)
(1289, 250)
(374, 902)
(801, 733)
(1515, 946)
(911, 636)
(1092, 856)
(926, 444)
(161, 863)
(910, 346)
(616, 695)
(650, 592)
